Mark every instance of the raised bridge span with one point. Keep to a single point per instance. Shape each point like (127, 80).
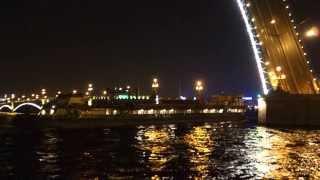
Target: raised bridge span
(278, 46)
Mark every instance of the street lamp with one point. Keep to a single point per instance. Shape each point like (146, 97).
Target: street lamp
(155, 88)
(155, 83)
(199, 86)
(90, 89)
(199, 89)
(43, 91)
(277, 77)
(58, 93)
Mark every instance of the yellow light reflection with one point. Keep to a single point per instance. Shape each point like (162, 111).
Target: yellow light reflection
(200, 144)
(285, 155)
(155, 145)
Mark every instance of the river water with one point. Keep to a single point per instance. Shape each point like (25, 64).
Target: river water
(221, 150)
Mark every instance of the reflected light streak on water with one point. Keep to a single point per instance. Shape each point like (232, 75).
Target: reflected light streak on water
(155, 147)
(223, 150)
(200, 146)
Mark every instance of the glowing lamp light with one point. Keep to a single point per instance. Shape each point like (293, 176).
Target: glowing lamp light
(313, 32)
(283, 76)
(90, 102)
(199, 86)
(278, 68)
(43, 112)
(74, 92)
(155, 83)
(183, 98)
(43, 91)
(157, 99)
(273, 21)
(51, 111)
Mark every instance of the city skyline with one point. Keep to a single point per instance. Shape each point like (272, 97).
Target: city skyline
(59, 46)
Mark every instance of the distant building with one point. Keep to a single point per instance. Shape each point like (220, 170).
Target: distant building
(121, 94)
(71, 100)
(226, 100)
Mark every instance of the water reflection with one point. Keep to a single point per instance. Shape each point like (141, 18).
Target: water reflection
(7, 147)
(155, 146)
(223, 150)
(200, 146)
(48, 154)
(276, 154)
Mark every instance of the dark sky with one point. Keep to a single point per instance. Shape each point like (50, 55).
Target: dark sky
(64, 44)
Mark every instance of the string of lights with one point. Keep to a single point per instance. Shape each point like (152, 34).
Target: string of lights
(254, 44)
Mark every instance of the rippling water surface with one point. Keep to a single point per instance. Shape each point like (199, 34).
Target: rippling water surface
(223, 150)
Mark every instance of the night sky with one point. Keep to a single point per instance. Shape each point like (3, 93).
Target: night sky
(65, 44)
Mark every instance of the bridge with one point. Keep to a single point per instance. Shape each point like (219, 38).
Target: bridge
(34, 106)
(278, 47)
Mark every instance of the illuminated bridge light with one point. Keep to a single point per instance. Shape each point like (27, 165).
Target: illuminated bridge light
(278, 68)
(253, 44)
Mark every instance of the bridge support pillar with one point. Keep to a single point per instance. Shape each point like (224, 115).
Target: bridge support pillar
(290, 110)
